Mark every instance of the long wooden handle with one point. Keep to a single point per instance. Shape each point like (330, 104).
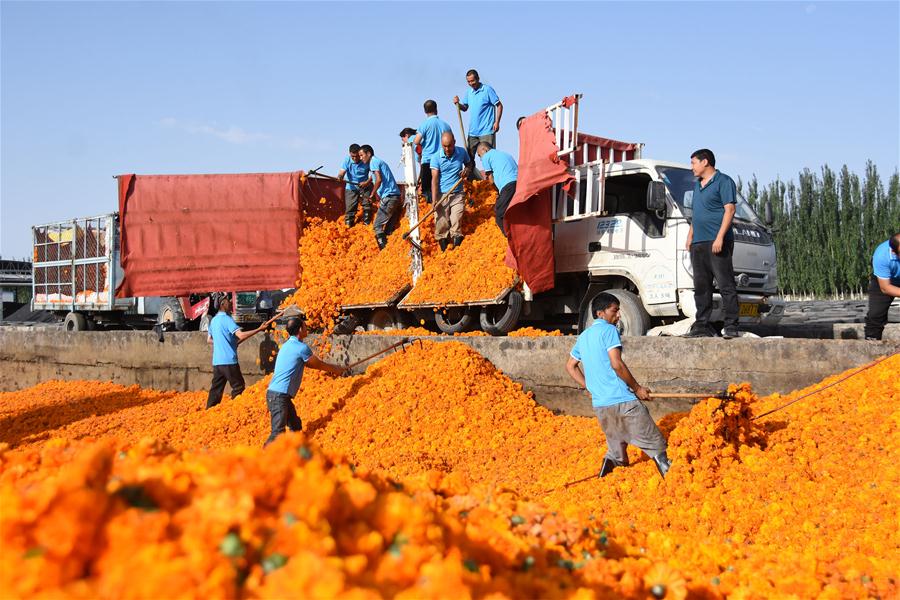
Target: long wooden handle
(680, 395)
(462, 127)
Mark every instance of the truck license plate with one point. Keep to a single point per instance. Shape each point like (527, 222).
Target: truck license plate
(749, 310)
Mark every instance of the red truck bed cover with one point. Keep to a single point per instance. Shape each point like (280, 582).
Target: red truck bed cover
(201, 233)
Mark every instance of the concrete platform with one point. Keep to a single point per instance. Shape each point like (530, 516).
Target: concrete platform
(182, 361)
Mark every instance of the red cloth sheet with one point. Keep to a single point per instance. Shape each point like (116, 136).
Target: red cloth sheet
(528, 218)
(201, 233)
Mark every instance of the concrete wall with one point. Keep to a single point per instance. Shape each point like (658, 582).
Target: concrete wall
(182, 361)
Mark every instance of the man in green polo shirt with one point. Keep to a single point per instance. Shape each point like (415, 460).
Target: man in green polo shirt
(711, 243)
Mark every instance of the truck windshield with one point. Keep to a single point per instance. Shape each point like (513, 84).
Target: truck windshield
(680, 183)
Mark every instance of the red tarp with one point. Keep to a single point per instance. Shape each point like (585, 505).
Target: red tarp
(201, 233)
(528, 219)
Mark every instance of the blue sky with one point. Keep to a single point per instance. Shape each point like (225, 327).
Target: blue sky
(90, 90)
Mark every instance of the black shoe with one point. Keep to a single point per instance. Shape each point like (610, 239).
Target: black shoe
(443, 244)
(872, 339)
(458, 240)
(607, 467)
(731, 332)
(367, 218)
(350, 222)
(699, 332)
(381, 240)
(662, 463)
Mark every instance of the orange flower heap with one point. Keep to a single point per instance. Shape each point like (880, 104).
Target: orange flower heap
(386, 274)
(476, 270)
(331, 257)
(102, 519)
(444, 448)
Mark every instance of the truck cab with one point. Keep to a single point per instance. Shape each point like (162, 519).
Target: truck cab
(627, 237)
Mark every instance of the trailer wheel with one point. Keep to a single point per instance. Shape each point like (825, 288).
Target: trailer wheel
(75, 322)
(633, 318)
(499, 319)
(454, 319)
(170, 312)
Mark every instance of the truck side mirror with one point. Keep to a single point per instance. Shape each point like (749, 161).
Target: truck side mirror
(656, 196)
(768, 213)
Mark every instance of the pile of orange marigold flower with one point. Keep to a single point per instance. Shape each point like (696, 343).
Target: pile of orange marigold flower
(438, 476)
(341, 266)
(475, 270)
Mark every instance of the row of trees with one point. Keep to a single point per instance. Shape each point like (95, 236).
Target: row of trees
(826, 227)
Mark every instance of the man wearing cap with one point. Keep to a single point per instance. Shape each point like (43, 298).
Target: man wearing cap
(387, 191)
(225, 335)
(500, 168)
(884, 285)
(293, 356)
(487, 110)
(428, 135)
(448, 167)
(357, 189)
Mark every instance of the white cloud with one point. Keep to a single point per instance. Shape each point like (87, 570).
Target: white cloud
(238, 135)
(232, 134)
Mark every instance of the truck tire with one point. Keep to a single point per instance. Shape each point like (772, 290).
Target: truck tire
(170, 311)
(500, 319)
(456, 320)
(204, 322)
(75, 322)
(634, 319)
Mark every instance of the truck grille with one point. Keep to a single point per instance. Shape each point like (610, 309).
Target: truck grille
(751, 234)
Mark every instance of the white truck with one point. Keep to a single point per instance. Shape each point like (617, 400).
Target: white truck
(621, 229)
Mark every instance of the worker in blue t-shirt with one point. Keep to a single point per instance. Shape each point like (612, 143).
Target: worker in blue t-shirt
(293, 356)
(615, 395)
(358, 189)
(884, 285)
(225, 335)
(487, 110)
(387, 191)
(450, 165)
(710, 241)
(500, 168)
(428, 136)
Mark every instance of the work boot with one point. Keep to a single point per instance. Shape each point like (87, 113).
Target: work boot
(607, 467)
(443, 244)
(381, 240)
(458, 240)
(731, 331)
(367, 218)
(699, 331)
(350, 221)
(662, 463)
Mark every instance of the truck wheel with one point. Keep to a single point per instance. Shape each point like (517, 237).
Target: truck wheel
(634, 319)
(204, 322)
(499, 319)
(384, 319)
(170, 312)
(75, 322)
(457, 319)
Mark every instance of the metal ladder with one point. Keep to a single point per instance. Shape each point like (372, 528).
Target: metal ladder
(587, 199)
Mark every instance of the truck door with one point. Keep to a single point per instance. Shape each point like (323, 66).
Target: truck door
(632, 240)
